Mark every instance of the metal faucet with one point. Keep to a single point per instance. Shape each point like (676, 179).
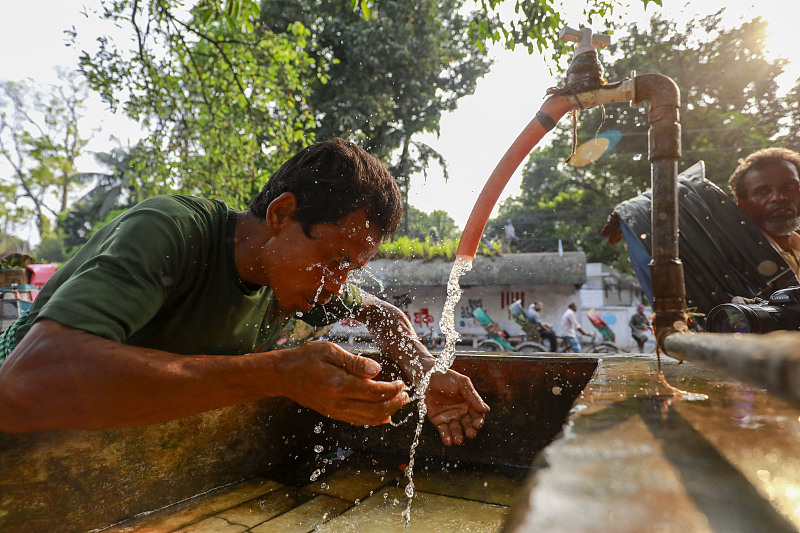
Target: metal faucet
(585, 87)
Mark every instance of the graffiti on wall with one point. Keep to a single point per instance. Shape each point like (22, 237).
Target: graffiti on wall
(509, 297)
(423, 318)
(466, 310)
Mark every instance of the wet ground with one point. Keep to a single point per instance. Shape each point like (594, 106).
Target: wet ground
(364, 495)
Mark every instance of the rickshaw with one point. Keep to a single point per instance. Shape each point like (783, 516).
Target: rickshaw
(497, 340)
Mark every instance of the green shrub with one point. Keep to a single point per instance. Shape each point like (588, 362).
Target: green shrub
(428, 250)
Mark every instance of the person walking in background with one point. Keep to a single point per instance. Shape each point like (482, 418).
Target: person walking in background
(545, 330)
(570, 327)
(639, 324)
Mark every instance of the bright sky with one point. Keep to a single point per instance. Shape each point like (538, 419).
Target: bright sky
(473, 138)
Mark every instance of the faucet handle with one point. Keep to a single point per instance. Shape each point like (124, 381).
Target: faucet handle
(587, 41)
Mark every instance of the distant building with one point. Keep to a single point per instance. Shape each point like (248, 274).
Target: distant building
(419, 288)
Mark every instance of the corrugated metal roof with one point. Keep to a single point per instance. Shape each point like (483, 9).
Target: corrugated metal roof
(509, 269)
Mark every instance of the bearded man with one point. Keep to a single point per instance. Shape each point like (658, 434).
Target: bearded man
(767, 188)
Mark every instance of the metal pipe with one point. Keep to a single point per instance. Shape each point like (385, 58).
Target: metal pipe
(586, 88)
(669, 294)
(770, 361)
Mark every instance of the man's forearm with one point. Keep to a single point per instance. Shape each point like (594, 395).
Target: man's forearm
(395, 337)
(62, 378)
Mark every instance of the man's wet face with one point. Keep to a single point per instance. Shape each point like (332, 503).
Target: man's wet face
(772, 198)
(314, 269)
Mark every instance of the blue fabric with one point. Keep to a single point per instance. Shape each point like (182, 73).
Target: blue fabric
(640, 259)
(573, 342)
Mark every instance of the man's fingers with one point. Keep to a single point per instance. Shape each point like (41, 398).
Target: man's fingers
(455, 431)
(356, 365)
(478, 418)
(365, 369)
(472, 396)
(450, 414)
(361, 412)
(444, 434)
(469, 426)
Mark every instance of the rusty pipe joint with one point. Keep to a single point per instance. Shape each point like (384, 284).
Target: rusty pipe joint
(621, 91)
(665, 129)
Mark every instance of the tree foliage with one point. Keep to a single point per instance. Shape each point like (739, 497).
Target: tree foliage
(40, 142)
(392, 68)
(222, 97)
(793, 118)
(122, 187)
(537, 23)
(729, 108)
(437, 226)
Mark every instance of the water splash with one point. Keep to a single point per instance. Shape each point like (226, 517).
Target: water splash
(682, 394)
(360, 276)
(444, 361)
(678, 393)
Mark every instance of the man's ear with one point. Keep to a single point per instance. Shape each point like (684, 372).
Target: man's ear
(742, 203)
(280, 212)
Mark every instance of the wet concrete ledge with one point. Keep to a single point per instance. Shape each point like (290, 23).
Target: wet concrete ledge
(632, 458)
(82, 480)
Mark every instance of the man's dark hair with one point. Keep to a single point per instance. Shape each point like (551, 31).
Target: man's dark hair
(760, 159)
(330, 180)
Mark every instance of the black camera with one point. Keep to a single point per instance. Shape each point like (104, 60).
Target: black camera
(780, 312)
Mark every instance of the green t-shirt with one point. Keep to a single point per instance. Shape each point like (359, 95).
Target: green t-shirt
(162, 275)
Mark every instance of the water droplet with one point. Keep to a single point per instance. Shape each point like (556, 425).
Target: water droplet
(318, 448)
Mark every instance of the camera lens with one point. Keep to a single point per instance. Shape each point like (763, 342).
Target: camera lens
(756, 318)
(733, 318)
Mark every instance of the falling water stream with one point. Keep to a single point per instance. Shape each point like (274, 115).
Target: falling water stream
(442, 364)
